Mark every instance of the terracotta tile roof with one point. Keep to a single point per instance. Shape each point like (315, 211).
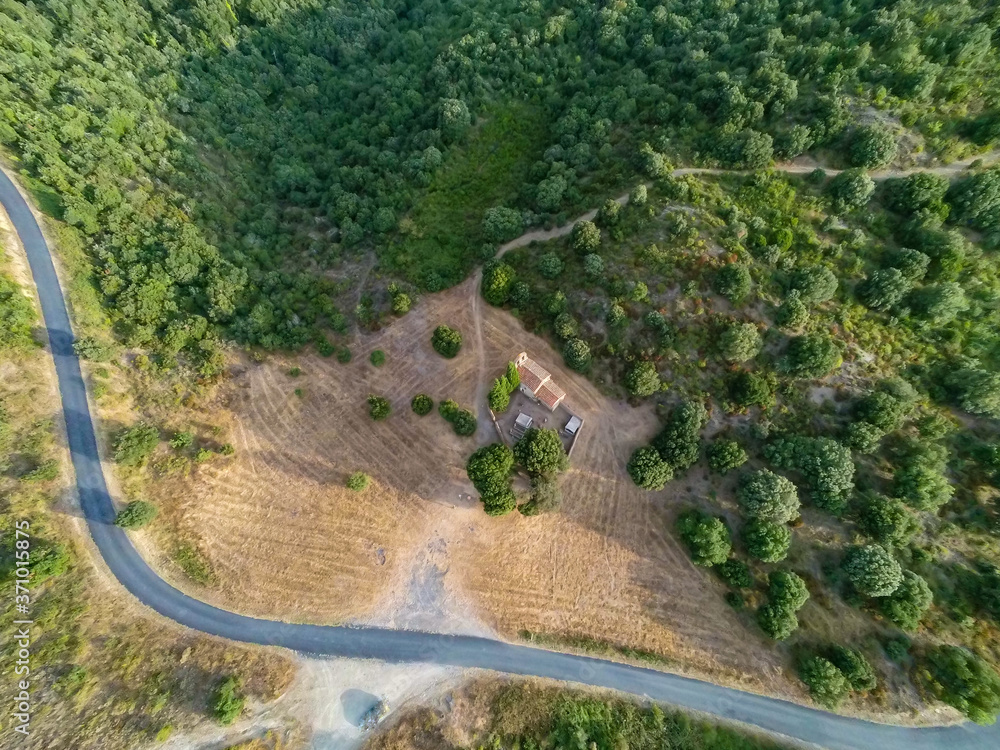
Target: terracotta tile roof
(550, 394)
(532, 375)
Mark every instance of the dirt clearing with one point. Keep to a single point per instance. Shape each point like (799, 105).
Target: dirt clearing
(288, 540)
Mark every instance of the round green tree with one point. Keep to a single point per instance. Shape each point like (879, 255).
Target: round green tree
(707, 538)
(648, 470)
(576, 353)
(811, 356)
(827, 685)
(725, 455)
(872, 146)
(740, 342)
(884, 289)
(422, 404)
(766, 541)
(540, 452)
(851, 189)
(642, 379)
(965, 681)
(501, 224)
(585, 237)
(733, 282)
(446, 341)
(872, 570)
(768, 496)
(907, 605)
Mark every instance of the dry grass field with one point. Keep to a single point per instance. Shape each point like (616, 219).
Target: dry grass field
(286, 539)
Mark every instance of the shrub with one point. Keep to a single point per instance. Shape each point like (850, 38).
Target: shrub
(576, 353)
(827, 685)
(489, 471)
(135, 515)
(565, 326)
(826, 466)
(940, 303)
(815, 284)
(379, 408)
(851, 189)
(550, 266)
(864, 437)
(182, 440)
(739, 342)
(377, 358)
(462, 421)
(228, 701)
(811, 356)
(855, 667)
(964, 681)
(680, 440)
(766, 541)
(446, 341)
(540, 452)
(585, 237)
(133, 445)
(732, 282)
(498, 279)
(422, 404)
(976, 390)
(884, 289)
(872, 570)
(735, 573)
(907, 604)
(768, 496)
(357, 481)
(915, 192)
(92, 349)
(725, 455)
(642, 379)
(707, 538)
(638, 196)
(786, 594)
(886, 520)
(648, 470)
(872, 146)
(748, 389)
(593, 265)
(502, 224)
(793, 313)
(344, 355)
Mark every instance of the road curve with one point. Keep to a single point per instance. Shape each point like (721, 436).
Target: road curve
(795, 721)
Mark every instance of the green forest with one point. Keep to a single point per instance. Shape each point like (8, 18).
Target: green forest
(224, 163)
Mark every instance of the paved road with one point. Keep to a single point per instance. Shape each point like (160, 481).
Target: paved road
(806, 724)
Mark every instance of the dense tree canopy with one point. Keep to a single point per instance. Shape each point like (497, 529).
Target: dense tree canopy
(768, 496)
(873, 571)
